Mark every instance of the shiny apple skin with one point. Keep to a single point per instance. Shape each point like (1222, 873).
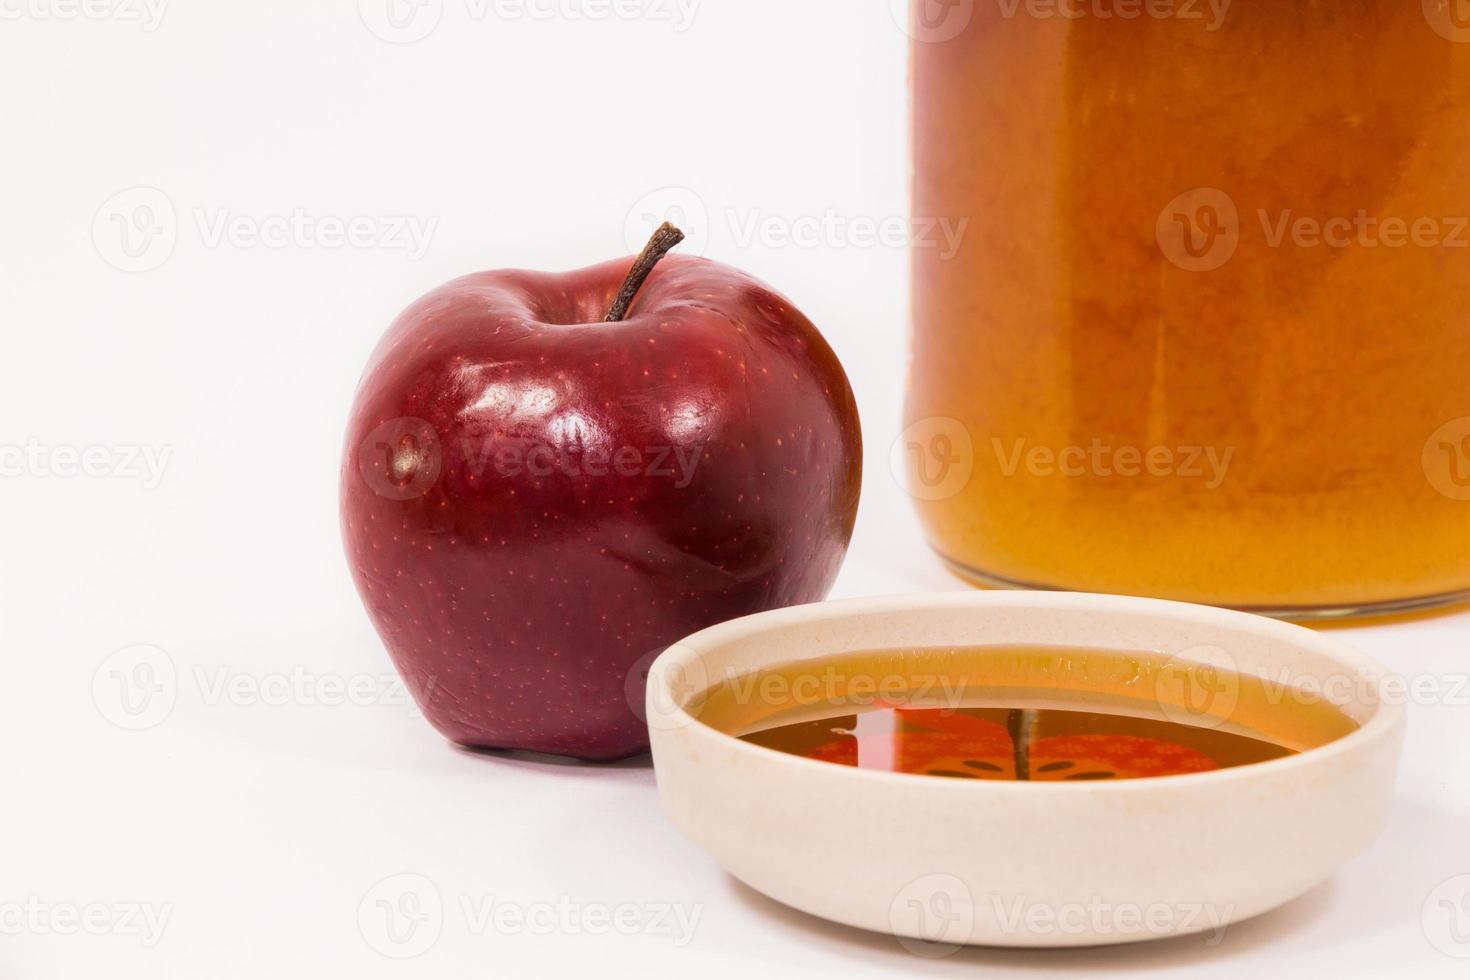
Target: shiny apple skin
(535, 502)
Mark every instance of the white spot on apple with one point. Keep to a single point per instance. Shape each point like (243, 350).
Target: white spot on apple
(401, 459)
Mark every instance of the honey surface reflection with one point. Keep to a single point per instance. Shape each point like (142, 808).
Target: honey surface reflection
(1044, 744)
(1022, 713)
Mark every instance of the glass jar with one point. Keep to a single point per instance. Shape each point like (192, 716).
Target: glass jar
(1206, 333)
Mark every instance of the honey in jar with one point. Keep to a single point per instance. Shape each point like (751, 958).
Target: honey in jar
(1207, 333)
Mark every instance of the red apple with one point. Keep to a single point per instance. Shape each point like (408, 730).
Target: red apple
(538, 493)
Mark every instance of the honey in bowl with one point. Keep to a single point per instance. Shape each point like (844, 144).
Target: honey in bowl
(1041, 714)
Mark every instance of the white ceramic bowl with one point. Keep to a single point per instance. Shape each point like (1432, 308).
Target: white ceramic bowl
(944, 862)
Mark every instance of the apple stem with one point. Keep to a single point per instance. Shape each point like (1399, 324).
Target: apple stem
(665, 238)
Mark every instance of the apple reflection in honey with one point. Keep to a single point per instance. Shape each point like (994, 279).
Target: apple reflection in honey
(1037, 745)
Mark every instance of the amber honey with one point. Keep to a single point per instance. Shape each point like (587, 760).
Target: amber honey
(1206, 335)
(1022, 713)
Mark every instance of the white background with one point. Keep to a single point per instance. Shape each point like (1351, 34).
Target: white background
(262, 823)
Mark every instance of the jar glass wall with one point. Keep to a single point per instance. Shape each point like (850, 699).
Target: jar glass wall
(1206, 334)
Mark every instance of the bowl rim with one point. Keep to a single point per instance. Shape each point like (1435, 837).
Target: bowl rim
(1388, 715)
